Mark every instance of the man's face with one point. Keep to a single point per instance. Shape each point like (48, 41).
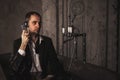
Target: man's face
(34, 24)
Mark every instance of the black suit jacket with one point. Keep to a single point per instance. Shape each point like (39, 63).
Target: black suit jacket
(20, 66)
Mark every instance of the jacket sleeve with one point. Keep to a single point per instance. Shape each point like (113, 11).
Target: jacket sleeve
(16, 59)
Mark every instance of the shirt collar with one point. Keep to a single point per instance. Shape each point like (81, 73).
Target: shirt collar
(40, 39)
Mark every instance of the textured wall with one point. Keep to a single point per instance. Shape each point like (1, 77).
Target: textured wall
(49, 19)
(11, 17)
(118, 34)
(112, 35)
(98, 19)
(95, 28)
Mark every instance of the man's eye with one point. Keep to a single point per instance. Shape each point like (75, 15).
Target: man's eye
(34, 22)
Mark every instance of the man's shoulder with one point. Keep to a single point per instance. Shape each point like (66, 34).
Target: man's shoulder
(45, 37)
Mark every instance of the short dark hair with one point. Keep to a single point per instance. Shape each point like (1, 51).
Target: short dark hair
(28, 15)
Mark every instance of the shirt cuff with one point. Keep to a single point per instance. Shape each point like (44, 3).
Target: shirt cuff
(21, 52)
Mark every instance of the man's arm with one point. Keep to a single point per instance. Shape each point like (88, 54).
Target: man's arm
(16, 57)
(19, 51)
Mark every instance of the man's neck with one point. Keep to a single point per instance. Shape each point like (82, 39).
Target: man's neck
(34, 38)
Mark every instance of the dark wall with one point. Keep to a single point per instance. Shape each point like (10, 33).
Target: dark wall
(118, 33)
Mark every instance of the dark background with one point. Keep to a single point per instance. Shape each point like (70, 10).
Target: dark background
(99, 19)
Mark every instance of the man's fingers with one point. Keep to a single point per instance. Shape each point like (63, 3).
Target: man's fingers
(25, 33)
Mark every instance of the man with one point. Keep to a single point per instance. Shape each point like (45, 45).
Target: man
(34, 56)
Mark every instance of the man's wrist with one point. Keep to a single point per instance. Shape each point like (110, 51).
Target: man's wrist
(23, 46)
(21, 52)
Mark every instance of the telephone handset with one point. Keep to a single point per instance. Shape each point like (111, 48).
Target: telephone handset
(24, 26)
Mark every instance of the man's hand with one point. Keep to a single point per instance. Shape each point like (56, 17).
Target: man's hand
(25, 39)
